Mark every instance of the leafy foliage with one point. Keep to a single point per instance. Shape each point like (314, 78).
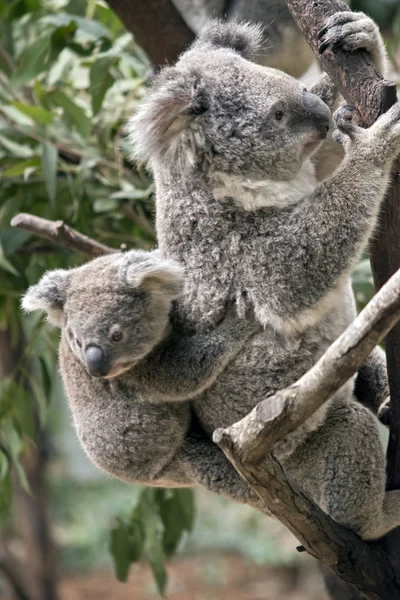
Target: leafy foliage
(154, 530)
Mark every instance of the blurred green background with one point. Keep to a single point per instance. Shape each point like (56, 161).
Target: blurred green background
(70, 76)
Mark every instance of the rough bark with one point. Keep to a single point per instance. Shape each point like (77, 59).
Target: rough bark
(337, 588)
(157, 27)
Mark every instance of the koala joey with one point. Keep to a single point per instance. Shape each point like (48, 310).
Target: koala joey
(231, 144)
(128, 377)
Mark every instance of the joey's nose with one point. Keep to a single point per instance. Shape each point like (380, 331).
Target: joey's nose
(317, 113)
(96, 361)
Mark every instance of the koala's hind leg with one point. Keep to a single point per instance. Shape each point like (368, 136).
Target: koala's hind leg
(342, 467)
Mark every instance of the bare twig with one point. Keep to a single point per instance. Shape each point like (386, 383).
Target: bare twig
(61, 234)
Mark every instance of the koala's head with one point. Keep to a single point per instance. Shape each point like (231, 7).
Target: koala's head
(113, 310)
(217, 107)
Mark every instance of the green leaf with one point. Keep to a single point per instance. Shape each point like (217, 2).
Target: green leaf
(6, 64)
(120, 550)
(186, 501)
(16, 149)
(21, 167)
(104, 205)
(5, 463)
(40, 115)
(49, 165)
(33, 61)
(61, 38)
(5, 263)
(177, 514)
(88, 26)
(100, 81)
(5, 499)
(74, 113)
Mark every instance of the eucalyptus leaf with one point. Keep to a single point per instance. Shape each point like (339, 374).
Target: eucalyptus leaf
(49, 165)
(40, 115)
(73, 112)
(100, 81)
(21, 167)
(120, 550)
(33, 61)
(15, 148)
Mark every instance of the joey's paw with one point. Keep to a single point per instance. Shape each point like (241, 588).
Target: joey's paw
(351, 31)
(345, 119)
(384, 412)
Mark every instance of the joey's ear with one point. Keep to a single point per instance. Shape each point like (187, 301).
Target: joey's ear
(158, 127)
(161, 277)
(48, 295)
(244, 38)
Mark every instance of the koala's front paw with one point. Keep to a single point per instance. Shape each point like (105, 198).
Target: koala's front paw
(352, 31)
(379, 144)
(345, 119)
(384, 412)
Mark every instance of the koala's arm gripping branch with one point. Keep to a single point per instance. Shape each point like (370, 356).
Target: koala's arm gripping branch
(61, 234)
(354, 74)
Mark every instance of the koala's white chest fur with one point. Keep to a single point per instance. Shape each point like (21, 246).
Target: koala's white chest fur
(251, 194)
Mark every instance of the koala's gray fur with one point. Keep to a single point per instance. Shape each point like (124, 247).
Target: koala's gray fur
(230, 143)
(124, 417)
(284, 46)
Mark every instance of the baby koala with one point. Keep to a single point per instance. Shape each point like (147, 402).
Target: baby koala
(128, 376)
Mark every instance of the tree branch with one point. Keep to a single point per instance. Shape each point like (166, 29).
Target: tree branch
(61, 234)
(280, 414)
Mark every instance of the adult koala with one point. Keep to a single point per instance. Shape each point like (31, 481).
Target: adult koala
(284, 46)
(231, 143)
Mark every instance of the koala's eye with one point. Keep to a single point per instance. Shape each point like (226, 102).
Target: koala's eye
(78, 343)
(279, 115)
(116, 336)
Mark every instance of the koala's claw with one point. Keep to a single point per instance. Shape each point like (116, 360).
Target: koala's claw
(343, 119)
(351, 31)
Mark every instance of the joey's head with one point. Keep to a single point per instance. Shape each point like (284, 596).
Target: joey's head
(218, 108)
(113, 310)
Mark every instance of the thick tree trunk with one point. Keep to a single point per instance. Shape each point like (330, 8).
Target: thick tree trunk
(157, 27)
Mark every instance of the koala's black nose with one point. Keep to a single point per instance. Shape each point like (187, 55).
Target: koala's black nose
(96, 361)
(317, 112)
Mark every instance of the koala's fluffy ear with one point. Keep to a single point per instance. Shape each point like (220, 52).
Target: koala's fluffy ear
(158, 128)
(162, 277)
(48, 295)
(244, 38)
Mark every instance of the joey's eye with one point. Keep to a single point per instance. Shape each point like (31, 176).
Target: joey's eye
(78, 343)
(279, 115)
(116, 336)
